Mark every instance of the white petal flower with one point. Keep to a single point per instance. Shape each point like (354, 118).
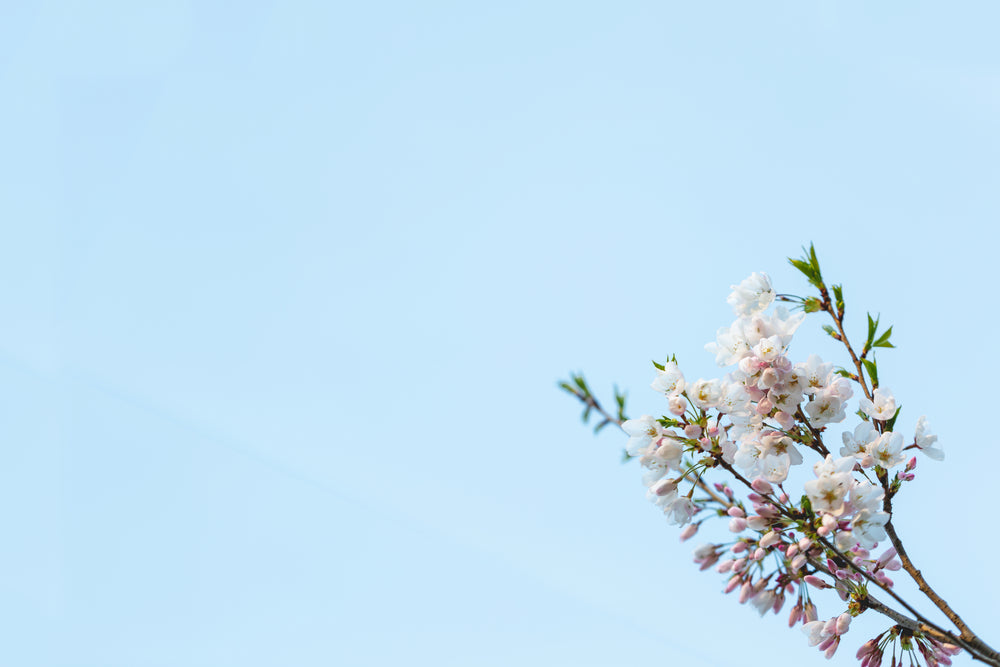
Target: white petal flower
(642, 432)
(887, 450)
(827, 493)
(855, 444)
(867, 527)
(825, 410)
(866, 496)
(730, 344)
(670, 380)
(925, 441)
(752, 295)
(883, 407)
(774, 467)
(705, 393)
(814, 373)
(735, 400)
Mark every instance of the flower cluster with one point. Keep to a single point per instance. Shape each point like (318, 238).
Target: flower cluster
(760, 421)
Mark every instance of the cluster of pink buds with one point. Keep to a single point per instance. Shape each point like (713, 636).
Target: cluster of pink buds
(903, 642)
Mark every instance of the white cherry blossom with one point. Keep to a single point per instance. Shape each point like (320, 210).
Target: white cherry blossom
(642, 432)
(670, 380)
(882, 407)
(887, 451)
(925, 440)
(752, 295)
(705, 393)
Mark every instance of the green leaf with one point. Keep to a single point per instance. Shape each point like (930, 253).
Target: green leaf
(659, 367)
(883, 340)
(872, 371)
(838, 296)
(830, 330)
(892, 422)
(843, 372)
(872, 327)
(809, 266)
(581, 383)
(862, 415)
(566, 386)
(811, 305)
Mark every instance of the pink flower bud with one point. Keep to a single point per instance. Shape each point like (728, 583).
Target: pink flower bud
(815, 581)
(755, 498)
(810, 612)
(737, 525)
(746, 592)
(733, 582)
(823, 531)
(866, 649)
(798, 562)
(736, 512)
(784, 419)
(761, 485)
(783, 497)
(769, 539)
(779, 602)
(738, 564)
(791, 550)
(758, 554)
(692, 431)
(765, 406)
(663, 487)
(757, 522)
(795, 614)
(739, 547)
(805, 543)
(911, 464)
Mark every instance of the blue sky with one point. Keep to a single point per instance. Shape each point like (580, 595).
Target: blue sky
(288, 286)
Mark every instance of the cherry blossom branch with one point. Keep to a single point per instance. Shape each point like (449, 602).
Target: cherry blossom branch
(967, 634)
(826, 544)
(838, 319)
(584, 396)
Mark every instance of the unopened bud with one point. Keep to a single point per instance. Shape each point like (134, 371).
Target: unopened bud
(761, 485)
(795, 614)
(736, 512)
(692, 431)
(815, 581)
(911, 464)
(689, 531)
(798, 562)
(758, 554)
(737, 525)
(784, 419)
(769, 539)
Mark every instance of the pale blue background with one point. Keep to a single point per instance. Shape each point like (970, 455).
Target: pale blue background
(286, 288)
